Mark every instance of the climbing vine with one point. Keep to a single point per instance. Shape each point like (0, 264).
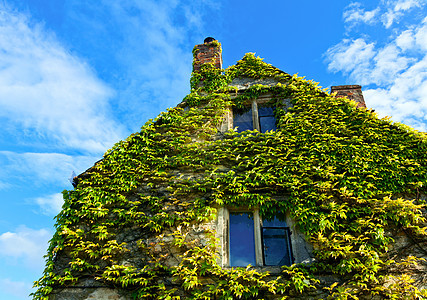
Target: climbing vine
(348, 179)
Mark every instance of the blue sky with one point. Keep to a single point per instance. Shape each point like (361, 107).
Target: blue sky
(77, 76)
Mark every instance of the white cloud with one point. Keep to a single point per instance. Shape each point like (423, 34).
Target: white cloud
(409, 82)
(354, 14)
(409, 112)
(387, 64)
(48, 92)
(389, 12)
(26, 246)
(365, 63)
(51, 204)
(154, 51)
(395, 72)
(421, 36)
(397, 8)
(15, 288)
(402, 5)
(390, 17)
(4, 185)
(351, 56)
(41, 168)
(406, 40)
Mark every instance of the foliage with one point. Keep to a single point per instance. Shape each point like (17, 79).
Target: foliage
(338, 170)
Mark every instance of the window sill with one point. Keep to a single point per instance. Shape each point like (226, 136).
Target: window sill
(274, 270)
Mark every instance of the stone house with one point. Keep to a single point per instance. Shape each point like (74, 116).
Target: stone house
(258, 185)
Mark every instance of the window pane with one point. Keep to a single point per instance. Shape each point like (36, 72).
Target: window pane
(267, 124)
(242, 241)
(243, 121)
(276, 246)
(265, 111)
(267, 121)
(275, 222)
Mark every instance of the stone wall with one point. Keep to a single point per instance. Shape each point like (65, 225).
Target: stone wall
(162, 246)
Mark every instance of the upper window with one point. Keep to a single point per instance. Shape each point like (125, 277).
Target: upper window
(256, 242)
(257, 117)
(243, 120)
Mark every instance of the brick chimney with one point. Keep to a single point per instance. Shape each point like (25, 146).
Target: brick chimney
(208, 52)
(352, 92)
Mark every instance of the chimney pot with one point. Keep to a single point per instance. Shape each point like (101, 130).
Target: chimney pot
(208, 40)
(208, 52)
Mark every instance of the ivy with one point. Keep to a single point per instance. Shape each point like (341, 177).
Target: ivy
(341, 172)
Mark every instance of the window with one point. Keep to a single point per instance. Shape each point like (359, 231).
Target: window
(252, 241)
(242, 239)
(243, 120)
(267, 121)
(256, 117)
(276, 243)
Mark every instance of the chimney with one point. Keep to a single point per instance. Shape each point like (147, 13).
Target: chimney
(352, 92)
(208, 52)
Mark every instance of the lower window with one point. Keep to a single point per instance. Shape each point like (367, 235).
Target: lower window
(276, 244)
(257, 242)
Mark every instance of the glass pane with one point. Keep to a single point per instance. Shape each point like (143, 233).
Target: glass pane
(276, 247)
(267, 121)
(242, 240)
(267, 124)
(243, 121)
(264, 111)
(274, 223)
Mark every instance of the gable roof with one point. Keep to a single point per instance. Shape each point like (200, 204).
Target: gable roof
(340, 167)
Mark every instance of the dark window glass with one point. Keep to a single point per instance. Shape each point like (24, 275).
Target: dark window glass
(243, 121)
(276, 243)
(267, 121)
(242, 240)
(276, 246)
(274, 223)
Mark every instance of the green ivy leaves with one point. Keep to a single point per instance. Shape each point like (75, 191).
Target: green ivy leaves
(335, 168)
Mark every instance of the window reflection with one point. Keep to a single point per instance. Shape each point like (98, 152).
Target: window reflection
(242, 241)
(243, 120)
(267, 121)
(276, 243)
(276, 246)
(275, 222)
